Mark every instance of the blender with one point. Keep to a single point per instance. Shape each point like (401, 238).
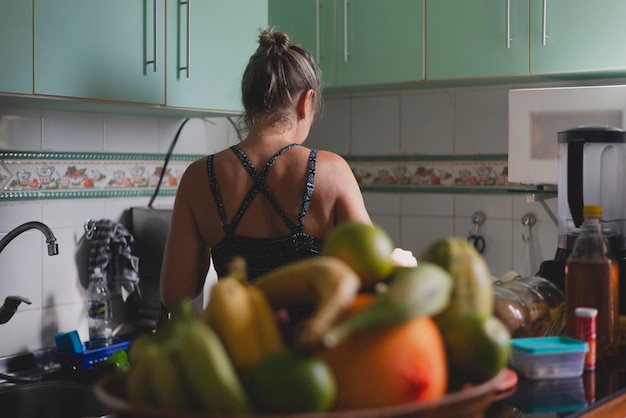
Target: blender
(591, 171)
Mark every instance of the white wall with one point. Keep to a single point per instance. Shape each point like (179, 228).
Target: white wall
(435, 122)
(442, 121)
(53, 283)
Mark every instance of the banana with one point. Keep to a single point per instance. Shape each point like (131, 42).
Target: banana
(264, 327)
(143, 354)
(326, 282)
(209, 370)
(411, 292)
(169, 384)
(184, 366)
(244, 322)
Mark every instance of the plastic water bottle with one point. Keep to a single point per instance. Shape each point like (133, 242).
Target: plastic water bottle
(99, 311)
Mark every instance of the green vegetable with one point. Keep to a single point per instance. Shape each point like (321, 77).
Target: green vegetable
(118, 361)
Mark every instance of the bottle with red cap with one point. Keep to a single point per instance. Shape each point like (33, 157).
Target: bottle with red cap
(586, 331)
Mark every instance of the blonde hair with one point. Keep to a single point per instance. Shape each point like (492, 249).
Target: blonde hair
(276, 74)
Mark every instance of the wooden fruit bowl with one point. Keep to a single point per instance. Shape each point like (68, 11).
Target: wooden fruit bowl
(471, 402)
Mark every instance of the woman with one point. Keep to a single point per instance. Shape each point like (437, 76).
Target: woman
(268, 199)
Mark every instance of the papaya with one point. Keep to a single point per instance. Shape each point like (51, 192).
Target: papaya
(472, 291)
(477, 349)
(476, 343)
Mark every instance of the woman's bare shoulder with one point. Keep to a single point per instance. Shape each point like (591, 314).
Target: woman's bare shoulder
(194, 174)
(331, 158)
(197, 166)
(334, 171)
(200, 165)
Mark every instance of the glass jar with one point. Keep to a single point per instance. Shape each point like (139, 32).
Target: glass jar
(529, 306)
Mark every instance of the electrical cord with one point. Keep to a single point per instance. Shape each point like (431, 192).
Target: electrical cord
(167, 160)
(237, 131)
(171, 150)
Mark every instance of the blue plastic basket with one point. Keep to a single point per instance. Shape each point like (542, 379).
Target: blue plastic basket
(89, 358)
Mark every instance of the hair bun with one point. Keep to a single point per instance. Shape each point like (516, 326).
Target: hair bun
(274, 43)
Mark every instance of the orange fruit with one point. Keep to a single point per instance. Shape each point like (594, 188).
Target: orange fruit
(361, 300)
(377, 368)
(366, 248)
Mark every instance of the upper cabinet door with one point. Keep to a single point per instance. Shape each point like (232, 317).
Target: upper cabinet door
(379, 42)
(209, 43)
(579, 35)
(16, 46)
(309, 23)
(478, 38)
(110, 50)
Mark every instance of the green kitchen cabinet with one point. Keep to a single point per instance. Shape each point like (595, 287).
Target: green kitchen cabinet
(208, 46)
(579, 36)
(117, 50)
(109, 50)
(357, 42)
(379, 42)
(478, 38)
(482, 38)
(16, 46)
(309, 23)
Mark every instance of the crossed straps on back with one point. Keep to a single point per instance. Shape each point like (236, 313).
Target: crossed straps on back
(259, 185)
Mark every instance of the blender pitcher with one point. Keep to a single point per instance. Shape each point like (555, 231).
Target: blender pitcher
(592, 171)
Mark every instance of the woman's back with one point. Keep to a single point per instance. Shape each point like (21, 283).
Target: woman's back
(287, 181)
(281, 93)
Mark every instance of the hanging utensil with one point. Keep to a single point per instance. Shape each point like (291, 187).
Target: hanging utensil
(478, 218)
(529, 220)
(89, 228)
(527, 261)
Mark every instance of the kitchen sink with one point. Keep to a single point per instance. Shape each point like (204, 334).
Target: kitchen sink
(50, 399)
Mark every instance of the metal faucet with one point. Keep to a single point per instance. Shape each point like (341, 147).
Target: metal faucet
(12, 302)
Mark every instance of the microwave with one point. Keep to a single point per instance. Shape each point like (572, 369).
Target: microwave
(537, 115)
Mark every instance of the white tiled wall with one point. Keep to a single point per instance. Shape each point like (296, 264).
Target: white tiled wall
(56, 285)
(435, 122)
(445, 121)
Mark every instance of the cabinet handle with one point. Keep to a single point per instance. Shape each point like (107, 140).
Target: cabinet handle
(317, 31)
(188, 51)
(508, 24)
(544, 32)
(154, 37)
(346, 54)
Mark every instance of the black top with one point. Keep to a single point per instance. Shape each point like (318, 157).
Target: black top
(263, 254)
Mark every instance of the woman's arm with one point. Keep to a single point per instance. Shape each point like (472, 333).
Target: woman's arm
(351, 207)
(186, 258)
(348, 204)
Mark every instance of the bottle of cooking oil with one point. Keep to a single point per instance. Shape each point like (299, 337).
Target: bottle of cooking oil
(592, 281)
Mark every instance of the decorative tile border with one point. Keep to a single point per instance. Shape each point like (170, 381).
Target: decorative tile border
(434, 173)
(62, 175)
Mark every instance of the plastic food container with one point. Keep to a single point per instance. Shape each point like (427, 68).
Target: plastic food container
(549, 395)
(548, 357)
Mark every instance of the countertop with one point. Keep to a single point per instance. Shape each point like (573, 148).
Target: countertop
(599, 393)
